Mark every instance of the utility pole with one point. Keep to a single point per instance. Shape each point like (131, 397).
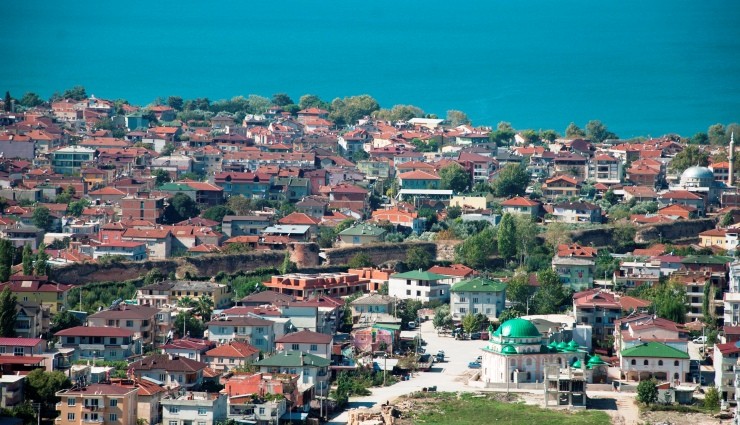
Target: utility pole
(37, 408)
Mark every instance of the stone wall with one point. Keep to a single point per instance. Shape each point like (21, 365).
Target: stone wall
(666, 232)
(378, 253)
(207, 265)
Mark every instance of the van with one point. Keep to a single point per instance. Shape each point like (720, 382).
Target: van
(411, 325)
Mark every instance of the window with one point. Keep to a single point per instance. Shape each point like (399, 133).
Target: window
(220, 359)
(173, 422)
(18, 351)
(262, 410)
(462, 299)
(475, 310)
(111, 323)
(174, 409)
(260, 330)
(675, 363)
(294, 347)
(463, 310)
(314, 347)
(475, 300)
(645, 362)
(660, 362)
(408, 292)
(70, 416)
(113, 403)
(201, 411)
(633, 362)
(201, 423)
(113, 417)
(129, 323)
(71, 402)
(418, 293)
(2, 350)
(232, 360)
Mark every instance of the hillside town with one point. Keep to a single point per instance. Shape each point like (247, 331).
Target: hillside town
(261, 261)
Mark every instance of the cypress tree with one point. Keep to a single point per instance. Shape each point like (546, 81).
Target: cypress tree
(507, 237)
(27, 260)
(7, 313)
(7, 252)
(8, 102)
(42, 259)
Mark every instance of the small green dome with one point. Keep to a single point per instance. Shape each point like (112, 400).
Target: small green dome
(562, 346)
(576, 364)
(595, 360)
(518, 328)
(572, 346)
(553, 344)
(508, 349)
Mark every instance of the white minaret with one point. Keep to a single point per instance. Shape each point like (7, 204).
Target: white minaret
(732, 152)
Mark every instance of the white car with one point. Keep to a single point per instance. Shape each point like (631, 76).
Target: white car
(700, 340)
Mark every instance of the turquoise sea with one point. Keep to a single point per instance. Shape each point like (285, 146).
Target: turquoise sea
(643, 67)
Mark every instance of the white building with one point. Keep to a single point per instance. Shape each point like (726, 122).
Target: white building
(725, 362)
(732, 297)
(311, 370)
(477, 295)
(419, 285)
(257, 332)
(654, 360)
(194, 408)
(316, 343)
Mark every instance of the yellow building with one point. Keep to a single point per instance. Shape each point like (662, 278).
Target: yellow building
(170, 292)
(97, 403)
(38, 289)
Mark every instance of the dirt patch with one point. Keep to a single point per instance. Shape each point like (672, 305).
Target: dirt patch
(679, 418)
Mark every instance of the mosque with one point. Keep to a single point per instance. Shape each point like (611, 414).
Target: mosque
(517, 352)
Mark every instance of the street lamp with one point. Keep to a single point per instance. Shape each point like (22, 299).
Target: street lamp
(385, 366)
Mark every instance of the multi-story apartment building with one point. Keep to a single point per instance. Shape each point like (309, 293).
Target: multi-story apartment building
(419, 285)
(110, 344)
(575, 264)
(477, 295)
(606, 169)
(311, 369)
(170, 292)
(236, 225)
(97, 403)
(257, 332)
(172, 370)
(600, 309)
(732, 297)
(141, 320)
(32, 319)
(132, 251)
(194, 408)
(316, 343)
(302, 286)
(70, 159)
(38, 289)
(143, 206)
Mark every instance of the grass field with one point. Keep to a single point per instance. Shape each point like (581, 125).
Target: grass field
(469, 409)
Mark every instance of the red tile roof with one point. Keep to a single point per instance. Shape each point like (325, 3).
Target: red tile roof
(576, 250)
(233, 349)
(680, 194)
(168, 363)
(305, 337)
(299, 218)
(20, 342)
(23, 360)
(519, 202)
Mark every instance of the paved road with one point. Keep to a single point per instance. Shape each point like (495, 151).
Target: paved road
(452, 376)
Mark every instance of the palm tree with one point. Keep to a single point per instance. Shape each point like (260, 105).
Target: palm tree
(204, 307)
(186, 302)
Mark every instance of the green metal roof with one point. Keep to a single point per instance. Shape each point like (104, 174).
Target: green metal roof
(706, 259)
(519, 328)
(363, 230)
(576, 365)
(595, 360)
(654, 349)
(387, 326)
(478, 284)
(418, 275)
(175, 187)
(293, 359)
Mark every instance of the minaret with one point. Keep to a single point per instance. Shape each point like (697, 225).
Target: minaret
(732, 152)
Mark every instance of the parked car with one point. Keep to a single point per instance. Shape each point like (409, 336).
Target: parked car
(411, 325)
(440, 356)
(475, 335)
(474, 365)
(700, 340)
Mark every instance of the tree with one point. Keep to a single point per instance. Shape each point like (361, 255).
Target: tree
(27, 260)
(508, 314)
(716, 134)
(519, 292)
(41, 266)
(161, 176)
(8, 313)
(526, 234)
(711, 398)
(647, 391)
(442, 317)
(503, 135)
(168, 149)
(239, 205)
(407, 310)
(193, 326)
(311, 101)
(557, 234)
(7, 256)
(42, 386)
(689, 157)
(77, 207)
(399, 113)
(204, 307)
(507, 237)
(706, 306)
(597, 131)
(669, 301)
(350, 109)
(175, 102)
(624, 233)
(63, 320)
(456, 118)
(31, 100)
(455, 177)
(359, 261)
(552, 295)
(727, 220)
(180, 208)
(511, 180)
(8, 102)
(574, 132)
(418, 258)
(472, 322)
(699, 138)
(475, 250)
(360, 155)
(217, 213)
(281, 99)
(42, 218)
(75, 93)
(549, 135)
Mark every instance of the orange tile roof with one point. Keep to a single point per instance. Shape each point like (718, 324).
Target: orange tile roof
(519, 202)
(233, 349)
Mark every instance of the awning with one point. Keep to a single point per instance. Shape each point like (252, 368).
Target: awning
(294, 416)
(409, 335)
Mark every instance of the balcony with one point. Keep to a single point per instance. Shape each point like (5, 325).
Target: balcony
(98, 347)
